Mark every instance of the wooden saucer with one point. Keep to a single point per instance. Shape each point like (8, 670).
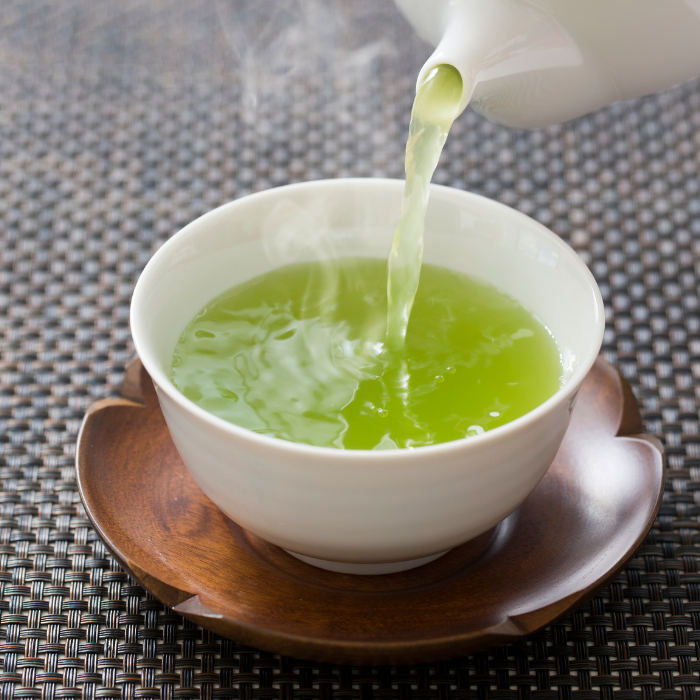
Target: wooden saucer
(584, 520)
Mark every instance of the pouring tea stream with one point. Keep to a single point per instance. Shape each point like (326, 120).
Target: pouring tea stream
(526, 63)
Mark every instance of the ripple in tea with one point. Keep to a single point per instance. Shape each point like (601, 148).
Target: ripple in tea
(299, 354)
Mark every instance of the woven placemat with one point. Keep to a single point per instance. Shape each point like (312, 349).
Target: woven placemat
(122, 121)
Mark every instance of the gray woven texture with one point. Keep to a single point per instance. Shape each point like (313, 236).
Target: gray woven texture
(122, 121)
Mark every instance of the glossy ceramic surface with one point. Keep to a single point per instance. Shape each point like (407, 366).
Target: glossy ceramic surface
(351, 506)
(539, 62)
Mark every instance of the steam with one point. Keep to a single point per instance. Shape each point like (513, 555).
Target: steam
(276, 44)
(307, 231)
(313, 54)
(306, 56)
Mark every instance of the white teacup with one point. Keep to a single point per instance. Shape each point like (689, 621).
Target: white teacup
(363, 511)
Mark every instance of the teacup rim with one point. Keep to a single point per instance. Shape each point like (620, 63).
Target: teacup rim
(160, 379)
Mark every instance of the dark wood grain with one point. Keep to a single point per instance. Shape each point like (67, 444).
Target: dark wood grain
(574, 532)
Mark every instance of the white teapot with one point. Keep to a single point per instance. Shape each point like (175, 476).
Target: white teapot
(532, 63)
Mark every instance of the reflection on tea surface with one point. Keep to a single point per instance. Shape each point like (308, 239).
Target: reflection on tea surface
(299, 353)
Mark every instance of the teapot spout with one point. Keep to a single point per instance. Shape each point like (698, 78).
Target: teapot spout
(533, 63)
(488, 39)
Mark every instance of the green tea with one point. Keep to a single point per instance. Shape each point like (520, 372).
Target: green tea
(300, 354)
(434, 110)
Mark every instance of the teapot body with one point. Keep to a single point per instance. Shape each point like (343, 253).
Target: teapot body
(532, 63)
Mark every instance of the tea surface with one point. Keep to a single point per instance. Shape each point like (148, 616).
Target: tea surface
(300, 354)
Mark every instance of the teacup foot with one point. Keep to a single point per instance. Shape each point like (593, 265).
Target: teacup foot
(343, 567)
